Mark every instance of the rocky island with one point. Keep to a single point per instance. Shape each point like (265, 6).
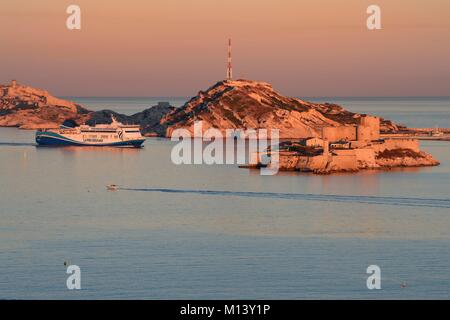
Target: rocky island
(322, 138)
(240, 104)
(29, 108)
(246, 104)
(348, 149)
(26, 107)
(319, 138)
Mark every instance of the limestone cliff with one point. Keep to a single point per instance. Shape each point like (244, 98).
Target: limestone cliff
(245, 104)
(30, 108)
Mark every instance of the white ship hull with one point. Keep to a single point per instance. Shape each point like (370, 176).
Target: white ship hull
(101, 136)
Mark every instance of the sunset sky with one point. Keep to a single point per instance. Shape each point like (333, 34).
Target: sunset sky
(178, 47)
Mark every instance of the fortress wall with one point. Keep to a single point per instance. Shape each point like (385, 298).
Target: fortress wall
(365, 156)
(363, 133)
(343, 162)
(369, 129)
(312, 163)
(359, 144)
(390, 144)
(339, 133)
(326, 147)
(344, 152)
(370, 121)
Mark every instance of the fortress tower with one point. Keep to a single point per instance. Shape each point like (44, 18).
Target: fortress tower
(368, 129)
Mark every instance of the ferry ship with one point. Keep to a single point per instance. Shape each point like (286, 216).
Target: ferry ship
(114, 135)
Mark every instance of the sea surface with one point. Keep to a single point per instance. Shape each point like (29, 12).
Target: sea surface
(220, 232)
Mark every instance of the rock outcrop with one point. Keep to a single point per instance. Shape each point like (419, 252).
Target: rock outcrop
(149, 119)
(291, 161)
(30, 108)
(404, 158)
(240, 104)
(245, 104)
(380, 154)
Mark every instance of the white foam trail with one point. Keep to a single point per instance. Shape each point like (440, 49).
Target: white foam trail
(394, 201)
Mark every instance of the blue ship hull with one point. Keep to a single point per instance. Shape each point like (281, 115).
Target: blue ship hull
(54, 139)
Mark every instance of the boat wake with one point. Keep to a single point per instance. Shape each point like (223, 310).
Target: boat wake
(16, 144)
(393, 201)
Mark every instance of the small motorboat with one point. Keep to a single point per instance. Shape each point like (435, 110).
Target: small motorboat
(112, 187)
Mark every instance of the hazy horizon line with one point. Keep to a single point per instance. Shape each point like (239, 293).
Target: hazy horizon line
(298, 97)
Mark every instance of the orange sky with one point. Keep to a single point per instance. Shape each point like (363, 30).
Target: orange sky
(178, 47)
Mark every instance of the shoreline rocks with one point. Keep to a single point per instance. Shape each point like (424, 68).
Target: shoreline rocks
(335, 162)
(29, 108)
(404, 158)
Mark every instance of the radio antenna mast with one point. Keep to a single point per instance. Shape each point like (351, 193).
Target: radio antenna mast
(229, 66)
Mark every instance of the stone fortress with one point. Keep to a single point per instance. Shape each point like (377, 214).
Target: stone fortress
(349, 148)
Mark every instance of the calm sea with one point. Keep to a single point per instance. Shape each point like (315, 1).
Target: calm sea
(248, 236)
